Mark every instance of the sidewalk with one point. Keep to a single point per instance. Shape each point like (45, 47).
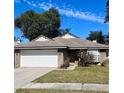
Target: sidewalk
(68, 86)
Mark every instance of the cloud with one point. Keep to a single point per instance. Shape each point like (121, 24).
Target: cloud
(67, 11)
(81, 15)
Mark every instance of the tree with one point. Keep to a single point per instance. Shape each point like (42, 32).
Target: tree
(33, 24)
(65, 31)
(16, 39)
(96, 35)
(106, 39)
(107, 12)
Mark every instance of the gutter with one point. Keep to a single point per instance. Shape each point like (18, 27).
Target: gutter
(88, 47)
(39, 47)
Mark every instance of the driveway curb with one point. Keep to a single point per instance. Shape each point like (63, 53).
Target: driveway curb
(68, 86)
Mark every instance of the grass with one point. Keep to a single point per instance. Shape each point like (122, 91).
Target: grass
(93, 74)
(54, 91)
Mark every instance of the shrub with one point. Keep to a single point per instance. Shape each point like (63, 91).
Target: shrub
(104, 62)
(85, 59)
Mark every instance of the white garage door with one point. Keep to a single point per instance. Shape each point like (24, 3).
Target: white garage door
(39, 58)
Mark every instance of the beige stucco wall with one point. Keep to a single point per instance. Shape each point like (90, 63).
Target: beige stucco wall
(17, 59)
(62, 56)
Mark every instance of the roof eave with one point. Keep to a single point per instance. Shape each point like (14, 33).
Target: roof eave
(39, 47)
(88, 47)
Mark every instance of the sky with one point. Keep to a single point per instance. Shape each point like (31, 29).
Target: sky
(80, 16)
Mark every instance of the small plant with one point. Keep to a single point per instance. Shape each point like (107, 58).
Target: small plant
(66, 64)
(62, 66)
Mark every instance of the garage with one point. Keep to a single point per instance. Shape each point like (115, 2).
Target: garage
(39, 58)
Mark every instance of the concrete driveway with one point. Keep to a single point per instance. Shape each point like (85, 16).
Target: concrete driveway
(23, 76)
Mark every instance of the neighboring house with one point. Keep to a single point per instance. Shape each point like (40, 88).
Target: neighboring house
(45, 52)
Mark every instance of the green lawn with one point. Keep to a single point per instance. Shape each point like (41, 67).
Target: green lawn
(93, 74)
(54, 91)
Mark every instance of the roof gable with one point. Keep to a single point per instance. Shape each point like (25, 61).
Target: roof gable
(68, 36)
(41, 38)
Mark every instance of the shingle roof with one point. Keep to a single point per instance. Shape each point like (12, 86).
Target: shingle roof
(40, 44)
(80, 43)
(58, 42)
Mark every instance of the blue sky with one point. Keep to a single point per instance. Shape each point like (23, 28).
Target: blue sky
(81, 16)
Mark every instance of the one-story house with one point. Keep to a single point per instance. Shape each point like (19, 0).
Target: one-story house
(45, 52)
